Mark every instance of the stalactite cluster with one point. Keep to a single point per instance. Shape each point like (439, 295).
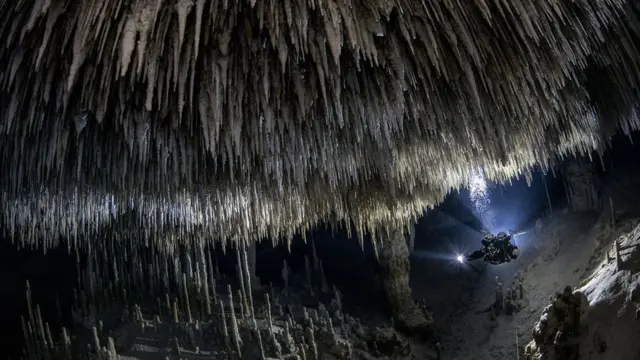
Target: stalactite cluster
(244, 119)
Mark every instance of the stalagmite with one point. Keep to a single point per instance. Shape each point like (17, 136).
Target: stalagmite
(167, 303)
(66, 343)
(187, 303)
(268, 308)
(307, 270)
(225, 329)
(29, 303)
(324, 287)
(204, 282)
(244, 311)
(260, 344)
(113, 354)
(394, 274)
(242, 278)
(235, 334)
(314, 257)
(40, 325)
(251, 264)
(338, 297)
(311, 339)
(96, 340)
(175, 346)
(27, 337)
(285, 276)
(213, 289)
(174, 312)
(287, 336)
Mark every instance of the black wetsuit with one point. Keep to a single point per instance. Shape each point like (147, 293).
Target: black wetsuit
(495, 250)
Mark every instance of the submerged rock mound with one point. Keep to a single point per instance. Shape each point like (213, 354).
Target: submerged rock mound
(600, 320)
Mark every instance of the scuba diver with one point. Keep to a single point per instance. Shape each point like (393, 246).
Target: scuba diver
(495, 250)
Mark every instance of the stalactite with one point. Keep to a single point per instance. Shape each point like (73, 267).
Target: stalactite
(231, 133)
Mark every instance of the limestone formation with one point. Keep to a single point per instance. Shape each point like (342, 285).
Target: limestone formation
(186, 121)
(557, 334)
(173, 125)
(394, 269)
(582, 185)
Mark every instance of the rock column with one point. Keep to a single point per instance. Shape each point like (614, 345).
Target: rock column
(582, 185)
(394, 276)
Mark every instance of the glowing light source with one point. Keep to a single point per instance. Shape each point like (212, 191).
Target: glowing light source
(460, 258)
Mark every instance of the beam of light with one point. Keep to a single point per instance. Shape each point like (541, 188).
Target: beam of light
(431, 255)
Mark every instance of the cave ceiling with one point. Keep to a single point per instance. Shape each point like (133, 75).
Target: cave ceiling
(195, 120)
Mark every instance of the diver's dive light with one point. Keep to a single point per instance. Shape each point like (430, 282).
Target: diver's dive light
(460, 259)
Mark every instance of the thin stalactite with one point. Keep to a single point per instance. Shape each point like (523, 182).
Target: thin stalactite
(244, 120)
